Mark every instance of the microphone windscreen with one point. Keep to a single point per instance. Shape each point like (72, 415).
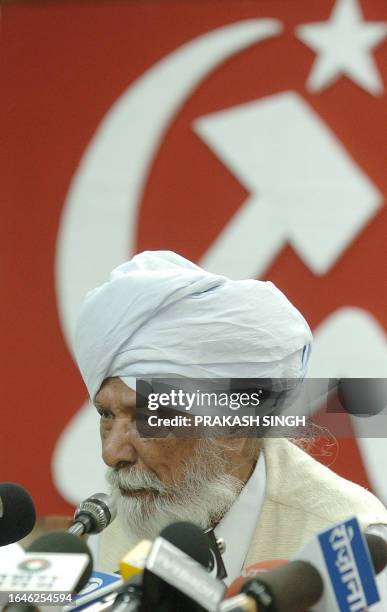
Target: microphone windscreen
(378, 551)
(190, 539)
(64, 542)
(17, 515)
(362, 397)
(294, 586)
(252, 571)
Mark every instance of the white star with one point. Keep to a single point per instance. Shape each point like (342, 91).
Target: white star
(344, 45)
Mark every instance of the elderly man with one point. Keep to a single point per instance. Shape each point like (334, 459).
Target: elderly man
(161, 315)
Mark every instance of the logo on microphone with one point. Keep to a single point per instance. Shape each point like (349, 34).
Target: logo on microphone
(349, 566)
(93, 584)
(34, 565)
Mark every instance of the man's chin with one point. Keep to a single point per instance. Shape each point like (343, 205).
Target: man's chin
(139, 516)
(144, 512)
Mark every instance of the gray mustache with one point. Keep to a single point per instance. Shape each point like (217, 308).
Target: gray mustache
(134, 479)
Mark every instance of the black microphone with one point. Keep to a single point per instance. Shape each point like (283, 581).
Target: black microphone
(17, 513)
(148, 591)
(363, 397)
(64, 542)
(191, 540)
(377, 547)
(175, 575)
(291, 587)
(93, 514)
(294, 586)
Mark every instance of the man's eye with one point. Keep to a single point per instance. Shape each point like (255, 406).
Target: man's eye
(104, 414)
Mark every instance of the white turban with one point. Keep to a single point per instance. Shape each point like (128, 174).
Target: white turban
(160, 315)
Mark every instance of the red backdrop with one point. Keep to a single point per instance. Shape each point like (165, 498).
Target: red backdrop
(62, 67)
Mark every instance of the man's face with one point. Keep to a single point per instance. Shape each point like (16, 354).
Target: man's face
(122, 446)
(157, 481)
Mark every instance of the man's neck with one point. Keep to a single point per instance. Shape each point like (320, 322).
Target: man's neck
(243, 471)
(244, 466)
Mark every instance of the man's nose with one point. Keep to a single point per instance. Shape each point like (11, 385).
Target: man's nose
(119, 443)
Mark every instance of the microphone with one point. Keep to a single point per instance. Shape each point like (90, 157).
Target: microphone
(363, 397)
(58, 542)
(280, 586)
(17, 513)
(175, 575)
(99, 591)
(48, 567)
(103, 587)
(252, 571)
(93, 514)
(105, 590)
(347, 562)
(154, 585)
(377, 547)
(191, 540)
(290, 587)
